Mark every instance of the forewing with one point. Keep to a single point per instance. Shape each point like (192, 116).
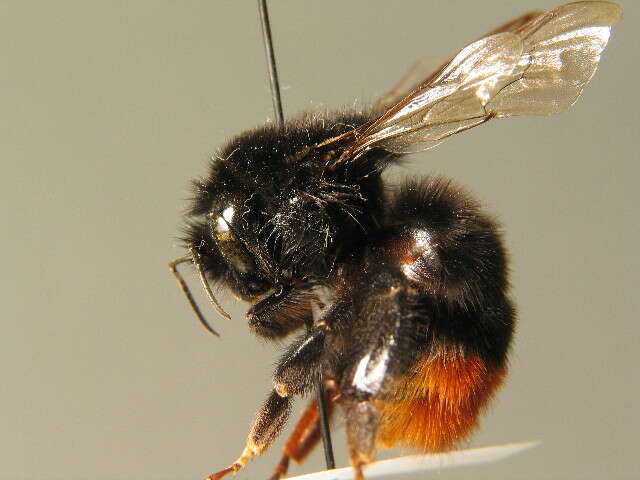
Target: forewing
(562, 51)
(454, 100)
(423, 71)
(420, 73)
(538, 67)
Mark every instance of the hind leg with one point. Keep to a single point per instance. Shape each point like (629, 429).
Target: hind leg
(362, 420)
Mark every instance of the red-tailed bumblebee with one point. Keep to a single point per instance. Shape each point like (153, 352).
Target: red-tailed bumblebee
(399, 298)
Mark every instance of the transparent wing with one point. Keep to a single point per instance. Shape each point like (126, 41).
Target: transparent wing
(424, 70)
(538, 67)
(419, 73)
(562, 52)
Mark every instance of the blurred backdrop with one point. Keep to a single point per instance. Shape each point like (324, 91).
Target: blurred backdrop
(110, 108)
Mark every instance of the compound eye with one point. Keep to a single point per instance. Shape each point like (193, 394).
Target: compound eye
(234, 252)
(230, 245)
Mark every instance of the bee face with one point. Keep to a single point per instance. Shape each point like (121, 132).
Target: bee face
(226, 241)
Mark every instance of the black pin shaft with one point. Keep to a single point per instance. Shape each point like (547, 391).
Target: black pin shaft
(271, 61)
(277, 108)
(324, 426)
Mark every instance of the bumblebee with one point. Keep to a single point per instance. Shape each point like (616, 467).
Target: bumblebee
(399, 298)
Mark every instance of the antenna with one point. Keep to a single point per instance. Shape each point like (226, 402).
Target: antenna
(277, 108)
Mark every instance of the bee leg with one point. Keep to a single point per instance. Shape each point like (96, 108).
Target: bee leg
(385, 336)
(294, 375)
(267, 425)
(305, 435)
(362, 421)
(297, 370)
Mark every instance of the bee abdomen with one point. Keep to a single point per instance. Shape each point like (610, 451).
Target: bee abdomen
(438, 402)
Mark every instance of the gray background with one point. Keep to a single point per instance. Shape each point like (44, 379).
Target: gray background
(110, 108)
